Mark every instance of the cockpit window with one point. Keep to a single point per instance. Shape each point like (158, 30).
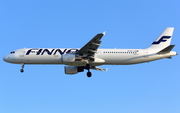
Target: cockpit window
(12, 52)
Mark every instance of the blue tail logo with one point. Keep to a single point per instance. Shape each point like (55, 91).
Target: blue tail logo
(162, 39)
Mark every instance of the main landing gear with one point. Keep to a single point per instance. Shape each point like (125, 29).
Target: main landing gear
(88, 67)
(22, 70)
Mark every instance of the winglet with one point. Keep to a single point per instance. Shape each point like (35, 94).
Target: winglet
(106, 69)
(99, 69)
(104, 33)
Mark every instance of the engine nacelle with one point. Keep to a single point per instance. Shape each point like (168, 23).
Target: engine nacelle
(68, 58)
(72, 69)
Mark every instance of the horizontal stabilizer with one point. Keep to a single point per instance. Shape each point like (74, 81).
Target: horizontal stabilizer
(166, 50)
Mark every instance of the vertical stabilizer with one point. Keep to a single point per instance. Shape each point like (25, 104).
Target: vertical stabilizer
(162, 41)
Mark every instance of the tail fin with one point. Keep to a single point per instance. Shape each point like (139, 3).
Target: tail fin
(162, 41)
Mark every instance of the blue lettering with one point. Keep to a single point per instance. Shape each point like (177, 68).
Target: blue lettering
(58, 50)
(51, 52)
(72, 51)
(39, 51)
(47, 51)
(29, 51)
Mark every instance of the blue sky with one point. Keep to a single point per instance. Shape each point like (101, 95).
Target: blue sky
(143, 88)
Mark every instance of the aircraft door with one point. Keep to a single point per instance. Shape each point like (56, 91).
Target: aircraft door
(21, 53)
(98, 53)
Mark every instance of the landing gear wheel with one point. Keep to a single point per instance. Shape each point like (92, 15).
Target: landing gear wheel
(89, 74)
(21, 70)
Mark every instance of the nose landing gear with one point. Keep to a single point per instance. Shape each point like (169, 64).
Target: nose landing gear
(22, 70)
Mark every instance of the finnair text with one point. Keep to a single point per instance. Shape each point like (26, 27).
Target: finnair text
(51, 51)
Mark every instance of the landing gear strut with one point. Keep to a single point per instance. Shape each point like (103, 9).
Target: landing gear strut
(22, 70)
(88, 67)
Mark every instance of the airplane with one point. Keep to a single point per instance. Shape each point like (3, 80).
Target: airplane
(90, 56)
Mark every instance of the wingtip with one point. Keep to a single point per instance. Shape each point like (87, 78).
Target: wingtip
(104, 33)
(105, 69)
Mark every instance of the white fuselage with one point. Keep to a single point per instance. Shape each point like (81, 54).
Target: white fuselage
(102, 56)
(90, 56)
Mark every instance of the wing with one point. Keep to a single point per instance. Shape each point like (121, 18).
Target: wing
(98, 68)
(88, 51)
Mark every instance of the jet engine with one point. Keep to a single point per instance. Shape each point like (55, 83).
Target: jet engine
(72, 69)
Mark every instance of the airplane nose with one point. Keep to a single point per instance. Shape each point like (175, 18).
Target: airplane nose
(6, 58)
